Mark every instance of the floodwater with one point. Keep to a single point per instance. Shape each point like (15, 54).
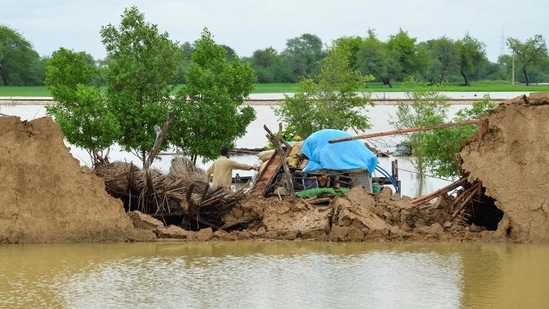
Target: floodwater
(274, 275)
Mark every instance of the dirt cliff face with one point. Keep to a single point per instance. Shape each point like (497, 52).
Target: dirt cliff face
(512, 161)
(45, 196)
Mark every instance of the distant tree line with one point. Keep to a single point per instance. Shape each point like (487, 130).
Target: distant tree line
(394, 60)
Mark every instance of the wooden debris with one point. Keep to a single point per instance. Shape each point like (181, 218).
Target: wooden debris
(182, 197)
(426, 198)
(276, 139)
(467, 195)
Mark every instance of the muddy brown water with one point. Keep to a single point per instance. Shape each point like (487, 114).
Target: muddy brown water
(274, 275)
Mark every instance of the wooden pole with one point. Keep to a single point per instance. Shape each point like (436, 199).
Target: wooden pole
(430, 196)
(158, 142)
(276, 139)
(416, 129)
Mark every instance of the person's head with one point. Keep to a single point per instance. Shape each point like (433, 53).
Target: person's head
(224, 151)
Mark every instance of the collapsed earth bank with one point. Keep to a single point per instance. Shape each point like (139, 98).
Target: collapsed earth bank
(46, 196)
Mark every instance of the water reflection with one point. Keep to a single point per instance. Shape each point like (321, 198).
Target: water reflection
(273, 275)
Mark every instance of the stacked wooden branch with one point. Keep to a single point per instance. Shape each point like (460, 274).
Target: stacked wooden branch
(182, 194)
(208, 211)
(466, 197)
(462, 200)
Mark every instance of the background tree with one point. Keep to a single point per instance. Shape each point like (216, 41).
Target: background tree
(352, 44)
(302, 55)
(229, 52)
(270, 67)
(19, 63)
(472, 58)
(427, 107)
(209, 112)
(443, 60)
(186, 48)
(440, 148)
(373, 59)
(79, 107)
(332, 100)
(436, 151)
(141, 75)
(529, 54)
(411, 59)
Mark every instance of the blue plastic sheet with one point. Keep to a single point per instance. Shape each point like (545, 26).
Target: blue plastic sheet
(348, 155)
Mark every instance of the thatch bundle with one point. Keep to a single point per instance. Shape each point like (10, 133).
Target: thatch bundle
(183, 194)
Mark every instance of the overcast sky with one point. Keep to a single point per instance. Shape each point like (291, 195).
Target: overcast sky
(249, 25)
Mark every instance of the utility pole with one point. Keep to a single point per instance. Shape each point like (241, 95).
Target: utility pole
(513, 69)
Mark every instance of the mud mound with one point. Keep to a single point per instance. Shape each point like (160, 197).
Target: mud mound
(359, 216)
(511, 159)
(45, 195)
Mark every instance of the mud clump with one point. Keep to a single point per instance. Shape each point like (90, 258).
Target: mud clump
(46, 196)
(512, 160)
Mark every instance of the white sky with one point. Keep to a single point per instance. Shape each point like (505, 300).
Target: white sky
(249, 25)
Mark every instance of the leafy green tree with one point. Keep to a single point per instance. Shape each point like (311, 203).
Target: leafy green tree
(373, 59)
(442, 146)
(427, 107)
(270, 67)
(186, 48)
(209, 113)
(529, 54)
(472, 57)
(411, 59)
(353, 44)
(302, 55)
(262, 62)
(436, 151)
(141, 75)
(19, 62)
(444, 60)
(229, 52)
(80, 109)
(331, 100)
(494, 71)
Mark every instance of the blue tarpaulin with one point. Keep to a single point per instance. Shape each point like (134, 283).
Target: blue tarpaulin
(348, 155)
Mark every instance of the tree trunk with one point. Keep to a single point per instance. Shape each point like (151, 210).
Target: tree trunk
(386, 81)
(465, 79)
(526, 80)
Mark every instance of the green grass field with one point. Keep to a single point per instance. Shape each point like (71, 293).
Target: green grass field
(483, 86)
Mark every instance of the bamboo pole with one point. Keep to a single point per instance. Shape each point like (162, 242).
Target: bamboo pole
(425, 198)
(401, 131)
